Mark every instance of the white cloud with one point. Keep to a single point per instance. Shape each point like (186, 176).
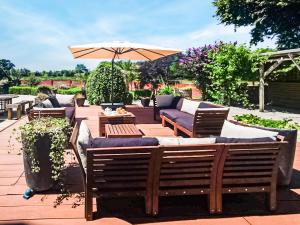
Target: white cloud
(40, 42)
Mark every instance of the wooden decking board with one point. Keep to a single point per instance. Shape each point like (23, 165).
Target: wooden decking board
(175, 211)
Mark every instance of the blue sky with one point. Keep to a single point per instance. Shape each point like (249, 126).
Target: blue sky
(35, 34)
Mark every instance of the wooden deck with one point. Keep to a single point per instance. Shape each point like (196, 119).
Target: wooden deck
(238, 209)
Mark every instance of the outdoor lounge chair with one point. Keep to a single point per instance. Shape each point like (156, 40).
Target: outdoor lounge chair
(116, 172)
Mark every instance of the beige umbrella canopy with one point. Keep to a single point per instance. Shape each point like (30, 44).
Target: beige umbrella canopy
(120, 50)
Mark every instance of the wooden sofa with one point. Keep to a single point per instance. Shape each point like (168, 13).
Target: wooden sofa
(208, 119)
(154, 171)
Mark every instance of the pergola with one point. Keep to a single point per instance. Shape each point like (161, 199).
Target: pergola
(274, 60)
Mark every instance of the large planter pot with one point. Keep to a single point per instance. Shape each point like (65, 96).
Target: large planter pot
(42, 180)
(287, 156)
(80, 101)
(145, 102)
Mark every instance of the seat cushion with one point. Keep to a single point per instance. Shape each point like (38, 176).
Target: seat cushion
(186, 120)
(185, 141)
(172, 114)
(70, 112)
(123, 142)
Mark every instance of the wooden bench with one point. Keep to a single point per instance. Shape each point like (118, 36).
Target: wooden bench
(20, 106)
(154, 171)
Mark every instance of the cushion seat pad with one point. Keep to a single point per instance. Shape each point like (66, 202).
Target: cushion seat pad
(70, 112)
(173, 114)
(185, 121)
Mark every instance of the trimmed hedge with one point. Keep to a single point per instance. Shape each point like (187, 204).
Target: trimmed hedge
(23, 90)
(70, 91)
(27, 90)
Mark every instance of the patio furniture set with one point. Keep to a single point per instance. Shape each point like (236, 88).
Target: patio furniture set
(7, 106)
(209, 163)
(219, 157)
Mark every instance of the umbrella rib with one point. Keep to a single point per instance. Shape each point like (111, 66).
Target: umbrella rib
(142, 55)
(153, 52)
(82, 50)
(135, 50)
(95, 50)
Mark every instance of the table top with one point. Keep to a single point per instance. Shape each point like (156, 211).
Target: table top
(122, 130)
(128, 114)
(8, 96)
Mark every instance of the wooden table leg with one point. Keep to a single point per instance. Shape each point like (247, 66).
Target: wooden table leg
(9, 113)
(19, 111)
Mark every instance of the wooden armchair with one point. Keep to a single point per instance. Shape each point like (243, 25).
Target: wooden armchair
(116, 172)
(248, 168)
(186, 170)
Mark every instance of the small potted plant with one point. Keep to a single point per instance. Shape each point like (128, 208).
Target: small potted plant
(43, 144)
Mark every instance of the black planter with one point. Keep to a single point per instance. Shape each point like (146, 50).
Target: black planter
(42, 180)
(145, 102)
(80, 101)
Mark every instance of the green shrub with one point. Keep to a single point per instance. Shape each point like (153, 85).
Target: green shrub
(255, 120)
(70, 91)
(129, 99)
(166, 90)
(139, 93)
(98, 88)
(23, 90)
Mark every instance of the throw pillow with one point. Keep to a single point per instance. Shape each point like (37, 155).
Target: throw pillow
(65, 100)
(189, 106)
(54, 101)
(84, 141)
(231, 130)
(243, 140)
(46, 104)
(164, 100)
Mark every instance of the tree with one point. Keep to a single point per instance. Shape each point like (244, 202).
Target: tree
(5, 69)
(81, 68)
(270, 18)
(130, 72)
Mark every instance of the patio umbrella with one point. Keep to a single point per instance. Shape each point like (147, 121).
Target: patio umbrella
(120, 50)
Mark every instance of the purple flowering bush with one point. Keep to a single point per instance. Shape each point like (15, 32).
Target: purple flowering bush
(221, 71)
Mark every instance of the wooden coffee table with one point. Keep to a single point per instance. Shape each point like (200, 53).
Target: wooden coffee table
(128, 118)
(122, 131)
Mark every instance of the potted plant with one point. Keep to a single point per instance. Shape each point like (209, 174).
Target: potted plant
(43, 144)
(145, 101)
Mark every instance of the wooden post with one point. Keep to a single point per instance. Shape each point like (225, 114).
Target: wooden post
(261, 88)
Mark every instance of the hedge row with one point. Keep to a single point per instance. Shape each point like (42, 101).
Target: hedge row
(27, 90)
(137, 94)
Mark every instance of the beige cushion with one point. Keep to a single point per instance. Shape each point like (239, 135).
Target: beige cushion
(65, 100)
(231, 130)
(47, 104)
(189, 106)
(84, 141)
(185, 141)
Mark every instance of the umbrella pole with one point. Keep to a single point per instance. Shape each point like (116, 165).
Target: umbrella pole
(112, 80)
